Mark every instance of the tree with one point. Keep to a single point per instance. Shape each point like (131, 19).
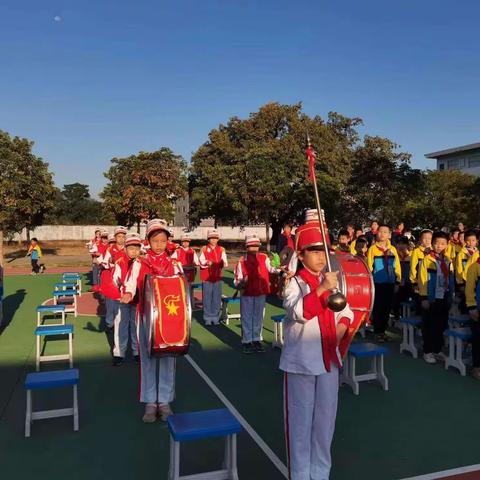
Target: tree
(145, 186)
(381, 182)
(74, 206)
(445, 200)
(254, 170)
(27, 190)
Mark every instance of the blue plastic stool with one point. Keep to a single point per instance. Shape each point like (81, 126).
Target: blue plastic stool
(409, 325)
(278, 330)
(55, 379)
(70, 277)
(364, 350)
(48, 330)
(201, 425)
(457, 338)
(226, 316)
(65, 285)
(458, 321)
(50, 309)
(68, 295)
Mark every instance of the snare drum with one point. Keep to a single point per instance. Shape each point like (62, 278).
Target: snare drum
(167, 314)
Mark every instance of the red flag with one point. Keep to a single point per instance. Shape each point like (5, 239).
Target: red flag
(311, 157)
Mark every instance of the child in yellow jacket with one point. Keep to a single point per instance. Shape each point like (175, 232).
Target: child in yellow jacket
(418, 255)
(472, 292)
(383, 262)
(35, 253)
(469, 251)
(436, 286)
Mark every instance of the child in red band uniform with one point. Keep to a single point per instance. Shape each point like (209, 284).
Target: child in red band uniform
(252, 277)
(213, 259)
(157, 389)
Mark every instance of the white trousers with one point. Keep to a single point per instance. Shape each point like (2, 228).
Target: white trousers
(123, 328)
(212, 301)
(310, 403)
(157, 375)
(252, 310)
(112, 310)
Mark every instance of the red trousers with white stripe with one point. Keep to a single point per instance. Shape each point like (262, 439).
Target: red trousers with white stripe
(310, 403)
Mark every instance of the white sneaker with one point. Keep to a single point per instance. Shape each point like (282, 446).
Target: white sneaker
(440, 357)
(429, 358)
(208, 322)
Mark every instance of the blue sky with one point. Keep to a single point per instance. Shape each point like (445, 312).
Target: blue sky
(110, 78)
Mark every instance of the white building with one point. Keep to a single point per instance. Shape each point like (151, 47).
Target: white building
(465, 158)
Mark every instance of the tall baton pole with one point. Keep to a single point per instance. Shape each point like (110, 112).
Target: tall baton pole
(336, 300)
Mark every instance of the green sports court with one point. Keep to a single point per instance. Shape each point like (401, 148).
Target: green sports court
(426, 422)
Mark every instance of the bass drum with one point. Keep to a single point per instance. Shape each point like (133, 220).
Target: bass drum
(355, 281)
(167, 315)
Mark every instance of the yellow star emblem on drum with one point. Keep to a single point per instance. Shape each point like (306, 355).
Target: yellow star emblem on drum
(172, 304)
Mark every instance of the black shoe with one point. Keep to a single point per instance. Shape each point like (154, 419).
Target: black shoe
(117, 361)
(247, 348)
(136, 358)
(258, 347)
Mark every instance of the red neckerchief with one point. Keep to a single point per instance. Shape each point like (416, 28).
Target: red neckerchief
(288, 236)
(326, 321)
(385, 251)
(471, 251)
(443, 265)
(160, 264)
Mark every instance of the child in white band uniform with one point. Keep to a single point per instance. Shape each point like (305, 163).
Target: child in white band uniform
(311, 360)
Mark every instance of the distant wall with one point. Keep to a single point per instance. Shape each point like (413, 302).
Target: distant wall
(86, 232)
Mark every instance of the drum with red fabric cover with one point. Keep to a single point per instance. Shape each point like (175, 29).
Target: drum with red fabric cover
(355, 281)
(167, 314)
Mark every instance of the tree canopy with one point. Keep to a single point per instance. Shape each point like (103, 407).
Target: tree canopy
(27, 190)
(74, 206)
(144, 186)
(254, 170)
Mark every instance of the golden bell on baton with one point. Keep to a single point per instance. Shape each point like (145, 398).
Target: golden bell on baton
(336, 301)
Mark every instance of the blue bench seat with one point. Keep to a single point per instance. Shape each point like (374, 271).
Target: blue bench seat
(51, 308)
(360, 350)
(205, 424)
(65, 293)
(53, 379)
(46, 330)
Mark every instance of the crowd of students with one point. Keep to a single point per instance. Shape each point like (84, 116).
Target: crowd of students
(435, 270)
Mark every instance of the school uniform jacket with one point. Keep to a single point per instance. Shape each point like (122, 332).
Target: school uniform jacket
(384, 263)
(418, 255)
(254, 268)
(427, 277)
(310, 342)
(462, 262)
(472, 287)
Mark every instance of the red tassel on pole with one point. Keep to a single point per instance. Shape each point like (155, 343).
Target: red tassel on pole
(311, 160)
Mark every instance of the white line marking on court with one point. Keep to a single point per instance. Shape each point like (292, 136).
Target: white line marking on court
(446, 473)
(256, 438)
